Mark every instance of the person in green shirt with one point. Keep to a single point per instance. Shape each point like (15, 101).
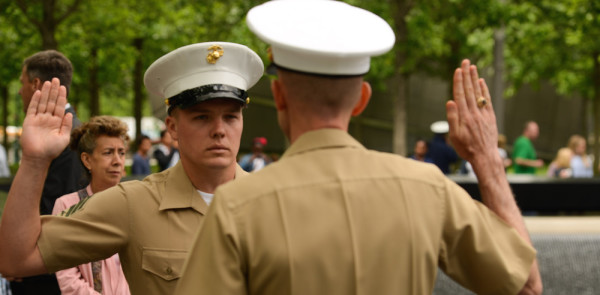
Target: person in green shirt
(524, 155)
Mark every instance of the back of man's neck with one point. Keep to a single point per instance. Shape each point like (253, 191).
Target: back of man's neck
(299, 127)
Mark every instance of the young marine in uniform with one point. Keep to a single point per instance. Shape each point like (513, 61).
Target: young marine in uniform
(331, 217)
(149, 223)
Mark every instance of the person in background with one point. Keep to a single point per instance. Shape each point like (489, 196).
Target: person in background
(4, 170)
(141, 159)
(65, 173)
(257, 159)
(4, 286)
(561, 165)
(581, 163)
(420, 152)
(439, 151)
(101, 145)
(525, 158)
(502, 150)
(150, 223)
(166, 153)
(467, 168)
(331, 217)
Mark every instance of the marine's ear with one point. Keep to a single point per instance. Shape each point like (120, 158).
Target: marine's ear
(171, 124)
(278, 95)
(365, 96)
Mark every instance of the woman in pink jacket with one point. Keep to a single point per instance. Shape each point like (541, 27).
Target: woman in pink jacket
(101, 144)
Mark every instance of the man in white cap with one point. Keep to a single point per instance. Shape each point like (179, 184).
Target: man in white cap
(331, 217)
(440, 152)
(150, 223)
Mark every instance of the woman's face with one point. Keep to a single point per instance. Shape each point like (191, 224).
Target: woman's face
(581, 147)
(106, 162)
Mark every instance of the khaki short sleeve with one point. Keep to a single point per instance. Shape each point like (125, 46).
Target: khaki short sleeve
(92, 231)
(480, 251)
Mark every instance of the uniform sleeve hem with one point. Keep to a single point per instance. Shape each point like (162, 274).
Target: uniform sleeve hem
(45, 248)
(521, 271)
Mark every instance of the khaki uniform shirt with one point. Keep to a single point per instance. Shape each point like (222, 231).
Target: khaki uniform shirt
(150, 223)
(332, 217)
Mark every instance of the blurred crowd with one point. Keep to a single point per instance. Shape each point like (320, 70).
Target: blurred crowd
(570, 161)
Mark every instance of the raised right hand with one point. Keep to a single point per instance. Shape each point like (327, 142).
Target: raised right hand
(46, 129)
(473, 130)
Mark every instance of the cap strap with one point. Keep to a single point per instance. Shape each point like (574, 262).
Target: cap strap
(193, 96)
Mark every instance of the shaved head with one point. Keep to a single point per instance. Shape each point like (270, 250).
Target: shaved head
(325, 96)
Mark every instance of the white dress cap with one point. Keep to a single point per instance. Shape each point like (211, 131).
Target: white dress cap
(202, 71)
(321, 36)
(440, 127)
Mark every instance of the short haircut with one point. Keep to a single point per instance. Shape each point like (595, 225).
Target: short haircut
(139, 140)
(324, 95)
(528, 123)
(423, 140)
(83, 138)
(49, 64)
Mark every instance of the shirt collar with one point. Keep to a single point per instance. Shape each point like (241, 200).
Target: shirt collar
(180, 193)
(320, 139)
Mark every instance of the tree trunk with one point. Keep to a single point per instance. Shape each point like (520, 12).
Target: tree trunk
(138, 76)
(94, 87)
(498, 80)
(596, 99)
(48, 38)
(400, 115)
(50, 21)
(453, 61)
(400, 10)
(4, 91)
(47, 27)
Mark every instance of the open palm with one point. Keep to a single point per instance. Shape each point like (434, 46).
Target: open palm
(46, 129)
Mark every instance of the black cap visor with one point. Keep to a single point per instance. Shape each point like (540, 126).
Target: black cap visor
(197, 95)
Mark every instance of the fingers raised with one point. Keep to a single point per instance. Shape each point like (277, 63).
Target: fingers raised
(486, 93)
(452, 117)
(41, 107)
(67, 123)
(468, 84)
(51, 99)
(61, 101)
(458, 89)
(477, 93)
(33, 104)
(53, 96)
